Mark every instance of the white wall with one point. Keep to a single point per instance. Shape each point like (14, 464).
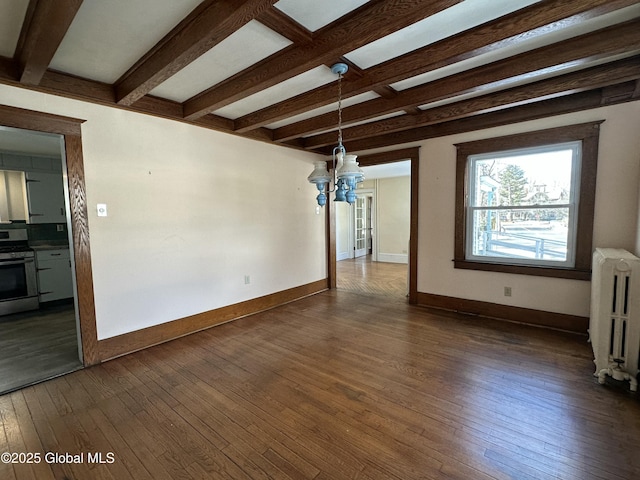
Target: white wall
(616, 214)
(637, 249)
(344, 230)
(394, 218)
(391, 223)
(191, 212)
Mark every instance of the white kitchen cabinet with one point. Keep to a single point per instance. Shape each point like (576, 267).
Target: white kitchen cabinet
(13, 200)
(45, 197)
(54, 274)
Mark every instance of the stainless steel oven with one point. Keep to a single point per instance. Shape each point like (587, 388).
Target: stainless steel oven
(18, 278)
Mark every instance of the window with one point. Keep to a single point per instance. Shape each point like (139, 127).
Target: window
(524, 203)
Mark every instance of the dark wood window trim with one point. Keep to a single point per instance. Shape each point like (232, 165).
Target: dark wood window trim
(588, 134)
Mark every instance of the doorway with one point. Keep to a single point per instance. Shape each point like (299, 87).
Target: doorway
(372, 262)
(39, 339)
(67, 321)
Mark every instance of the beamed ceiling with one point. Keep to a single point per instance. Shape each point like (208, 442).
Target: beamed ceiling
(260, 69)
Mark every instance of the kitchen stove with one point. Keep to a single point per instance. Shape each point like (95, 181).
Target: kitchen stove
(18, 279)
(15, 249)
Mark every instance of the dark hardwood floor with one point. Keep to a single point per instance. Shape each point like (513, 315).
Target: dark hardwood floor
(339, 385)
(361, 275)
(37, 345)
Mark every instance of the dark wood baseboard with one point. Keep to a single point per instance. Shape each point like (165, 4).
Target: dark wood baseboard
(561, 321)
(130, 342)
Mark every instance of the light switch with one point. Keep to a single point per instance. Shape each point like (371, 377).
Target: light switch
(102, 209)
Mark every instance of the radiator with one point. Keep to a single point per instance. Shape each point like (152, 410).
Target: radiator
(614, 323)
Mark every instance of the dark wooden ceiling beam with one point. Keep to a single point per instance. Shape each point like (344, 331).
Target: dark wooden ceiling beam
(46, 24)
(538, 19)
(187, 42)
(620, 92)
(387, 157)
(69, 86)
(9, 70)
(385, 91)
(614, 73)
(546, 60)
(285, 26)
(636, 92)
(533, 111)
(348, 33)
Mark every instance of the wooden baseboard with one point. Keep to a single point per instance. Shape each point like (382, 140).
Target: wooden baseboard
(561, 321)
(130, 342)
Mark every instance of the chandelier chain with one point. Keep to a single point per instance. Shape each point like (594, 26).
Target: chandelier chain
(340, 109)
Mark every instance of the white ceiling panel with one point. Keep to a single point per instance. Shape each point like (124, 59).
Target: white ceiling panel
(314, 14)
(525, 46)
(108, 36)
(254, 40)
(289, 88)
(11, 18)
(461, 17)
(333, 107)
(388, 170)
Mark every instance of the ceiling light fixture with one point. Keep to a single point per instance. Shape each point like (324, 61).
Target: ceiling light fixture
(346, 173)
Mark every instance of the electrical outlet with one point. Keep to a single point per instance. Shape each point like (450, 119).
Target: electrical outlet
(247, 279)
(60, 227)
(507, 291)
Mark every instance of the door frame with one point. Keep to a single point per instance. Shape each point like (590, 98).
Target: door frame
(367, 196)
(70, 129)
(412, 154)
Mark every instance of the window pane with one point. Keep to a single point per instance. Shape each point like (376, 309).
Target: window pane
(527, 234)
(514, 179)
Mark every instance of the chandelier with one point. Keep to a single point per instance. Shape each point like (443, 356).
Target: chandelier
(345, 174)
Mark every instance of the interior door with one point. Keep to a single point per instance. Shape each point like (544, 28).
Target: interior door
(360, 214)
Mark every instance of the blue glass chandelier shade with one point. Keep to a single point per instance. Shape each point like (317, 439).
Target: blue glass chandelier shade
(345, 174)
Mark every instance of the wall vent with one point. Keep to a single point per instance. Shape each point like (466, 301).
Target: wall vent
(614, 324)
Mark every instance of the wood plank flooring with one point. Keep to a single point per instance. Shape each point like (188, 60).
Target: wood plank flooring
(361, 275)
(336, 386)
(37, 345)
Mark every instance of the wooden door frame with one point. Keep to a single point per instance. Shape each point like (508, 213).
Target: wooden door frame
(412, 154)
(70, 129)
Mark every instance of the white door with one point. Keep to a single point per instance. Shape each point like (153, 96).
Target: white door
(361, 230)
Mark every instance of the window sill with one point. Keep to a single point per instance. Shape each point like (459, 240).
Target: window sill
(543, 271)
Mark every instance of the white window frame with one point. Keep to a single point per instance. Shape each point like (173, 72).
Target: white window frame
(572, 205)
